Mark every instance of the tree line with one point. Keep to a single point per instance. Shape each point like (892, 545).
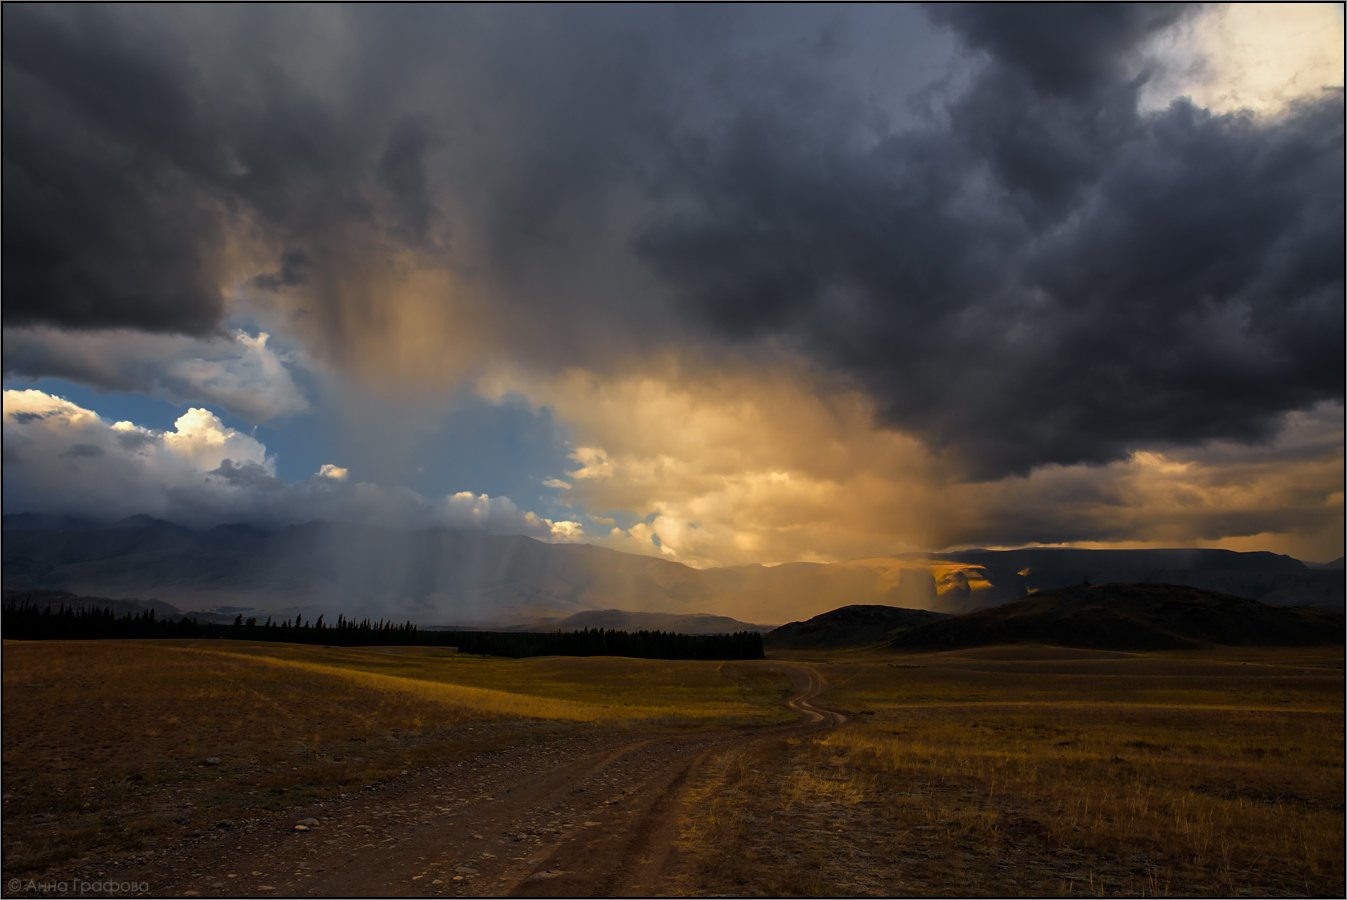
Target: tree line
(22, 619)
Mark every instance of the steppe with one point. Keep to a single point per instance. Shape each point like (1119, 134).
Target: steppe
(1028, 770)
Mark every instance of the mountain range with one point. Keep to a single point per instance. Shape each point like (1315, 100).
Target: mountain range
(466, 578)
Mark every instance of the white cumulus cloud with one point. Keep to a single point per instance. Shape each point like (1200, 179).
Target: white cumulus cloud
(565, 530)
(61, 458)
(203, 439)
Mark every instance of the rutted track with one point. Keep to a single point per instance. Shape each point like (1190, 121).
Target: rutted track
(636, 862)
(802, 701)
(591, 815)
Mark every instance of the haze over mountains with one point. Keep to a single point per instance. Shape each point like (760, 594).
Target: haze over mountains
(460, 577)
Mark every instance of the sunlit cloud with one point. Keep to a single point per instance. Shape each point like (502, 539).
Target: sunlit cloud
(201, 437)
(1256, 57)
(593, 463)
(767, 469)
(565, 530)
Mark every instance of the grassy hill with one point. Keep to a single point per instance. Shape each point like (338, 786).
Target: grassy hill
(1130, 617)
(624, 620)
(849, 626)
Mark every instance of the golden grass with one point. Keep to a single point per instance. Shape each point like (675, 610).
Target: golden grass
(1146, 774)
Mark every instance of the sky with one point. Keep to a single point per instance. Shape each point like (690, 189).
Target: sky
(719, 284)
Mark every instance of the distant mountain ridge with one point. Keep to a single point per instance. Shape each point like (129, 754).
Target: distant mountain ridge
(462, 577)
(120, 606)
(608, 619)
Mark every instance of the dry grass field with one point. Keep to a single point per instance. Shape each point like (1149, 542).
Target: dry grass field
(998, 771)
(106, 742)
(1023, 771)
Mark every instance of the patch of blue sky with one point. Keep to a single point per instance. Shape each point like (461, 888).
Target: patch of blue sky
(502, 449)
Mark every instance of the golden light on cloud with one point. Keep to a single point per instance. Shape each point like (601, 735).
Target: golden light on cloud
(1147, 459)
(39, 405)
(727, 466)
(201, 437)
(1251, 56)
(593, 463)
(724, 465)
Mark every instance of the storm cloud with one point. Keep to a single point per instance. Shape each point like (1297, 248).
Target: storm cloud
(238, 371)
(1048, 275)
(966, 213)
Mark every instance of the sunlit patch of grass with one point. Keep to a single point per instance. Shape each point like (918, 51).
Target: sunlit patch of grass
(573, 688)
(485, 702)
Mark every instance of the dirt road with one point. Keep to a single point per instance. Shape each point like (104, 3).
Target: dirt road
(589, 814)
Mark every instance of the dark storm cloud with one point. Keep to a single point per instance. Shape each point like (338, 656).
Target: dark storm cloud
(402, 171)
(1047, 276)
(1021, 268)
(101, 227)
(292, 272)
(138, 144)
(339, 136)
(1063, 48)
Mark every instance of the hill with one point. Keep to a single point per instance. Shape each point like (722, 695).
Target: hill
(624, 620)
(1130, 617)
(849, 626)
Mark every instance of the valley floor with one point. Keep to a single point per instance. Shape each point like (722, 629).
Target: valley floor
(185, 766)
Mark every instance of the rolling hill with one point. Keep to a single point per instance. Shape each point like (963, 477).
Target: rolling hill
(1129, 617)
(849, 626)
(1268, 577)
(625, 620)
